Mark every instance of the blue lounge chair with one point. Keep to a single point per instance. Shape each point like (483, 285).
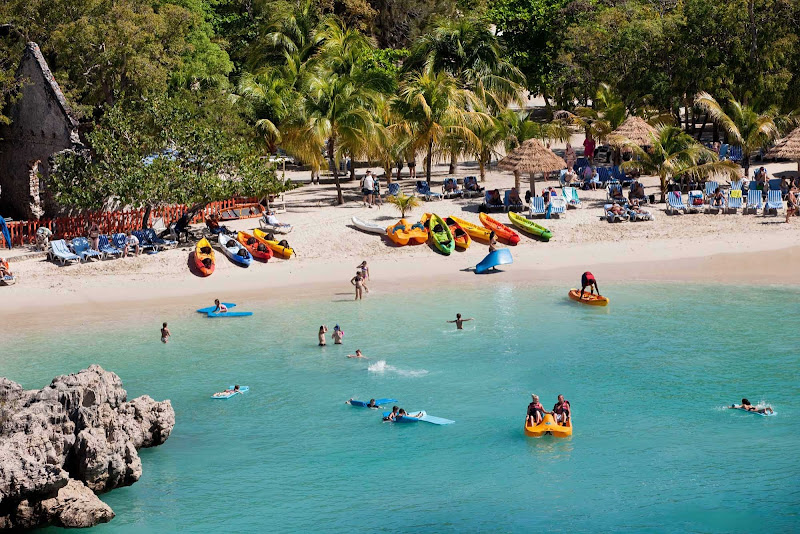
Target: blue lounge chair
(581, 163)
(604, 173)
(723, 151)
(614, 193)
(775, 184)
(471, 187)
(144, 243)
(614, 217)
(710, 188)
(774, 201)
(619, 175)
(454, 190)
(509, 206)
(61, 252)
(571, 197)
(735, 200)
(558, 206)
(696, 202)
(492, 207)
(751, 185)
(735, 153)
(394, 189)
(424, 190)
(753, 201)
(80, 246)
(736, 184)
(156, 241)
(537, 207)
(675, 202)
(107, 249)
(120, 241)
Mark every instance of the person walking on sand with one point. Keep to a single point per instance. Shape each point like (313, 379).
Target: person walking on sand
(338, 335)
(165, 333)
(358, 283)
(460, 322)
(569, 157)
(791, 203)
(322, 331)
(367, 186)
(364, 270)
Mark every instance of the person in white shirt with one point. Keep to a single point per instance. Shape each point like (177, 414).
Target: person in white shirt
(273, 220)
(131, 241)
(366, 188)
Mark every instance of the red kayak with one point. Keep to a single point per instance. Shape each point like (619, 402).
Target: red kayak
(503, 232)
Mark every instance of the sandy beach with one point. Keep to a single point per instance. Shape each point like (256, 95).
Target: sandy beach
(708, 248)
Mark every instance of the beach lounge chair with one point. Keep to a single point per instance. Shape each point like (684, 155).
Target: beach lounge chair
(120, 241)
(774, 201)
(454, 191)
(736, 184)
(538, 208)
(144, 242)
(107, 249)
(613, 217)
(710, 188)
(487, 198)
(723, 151)
(604, 173)
(571, 197)
(775, 184)
(580, 164)
(696, 202)
(80, 246)
(754, 201)
(619, 175)
(425, 192)
(558, 206)
(614, 193)
(675, 202)
(735, 153)
(471, 187)
(59, 251)
(393, 189)
(151, 235)
(509, 206)
(735, 200)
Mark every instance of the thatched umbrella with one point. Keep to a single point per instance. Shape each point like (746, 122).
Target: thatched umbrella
(532, 157)
(787, 148)
(634, 129)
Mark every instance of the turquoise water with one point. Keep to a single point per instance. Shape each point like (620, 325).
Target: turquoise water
(647, 377)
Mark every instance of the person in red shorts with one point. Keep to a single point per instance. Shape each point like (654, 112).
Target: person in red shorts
(588, 280)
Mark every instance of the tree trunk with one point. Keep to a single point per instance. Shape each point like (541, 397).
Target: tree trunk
(663, 189)
(352, 168)
(146, 217)
(482, 166)
(387, 170)
(428, 160)
(453, 161)
(339, 196)
(746, 165)
(516, 180)
(399, 168)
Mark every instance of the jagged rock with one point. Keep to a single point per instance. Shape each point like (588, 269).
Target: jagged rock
(62, 444)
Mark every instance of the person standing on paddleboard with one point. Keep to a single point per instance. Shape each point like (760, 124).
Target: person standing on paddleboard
(460, 322)
(588, 280)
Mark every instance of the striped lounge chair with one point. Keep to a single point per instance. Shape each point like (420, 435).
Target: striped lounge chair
(59, 251)
(753, 201)
(571, 197)
(695, 203)
(675, 202)
(735, 201)
(558, 206)
(774, 201)
(107, 249)
(537, 209)
(80, 246)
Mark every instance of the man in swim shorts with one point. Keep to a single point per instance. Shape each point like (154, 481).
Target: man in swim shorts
(561, 411)
(165, 333)
(459, 321)
(588, 280)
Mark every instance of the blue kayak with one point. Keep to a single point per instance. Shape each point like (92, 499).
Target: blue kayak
(235, 251)
(493, 259)
(364, 404)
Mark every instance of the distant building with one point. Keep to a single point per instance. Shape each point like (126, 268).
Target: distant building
(42, 125)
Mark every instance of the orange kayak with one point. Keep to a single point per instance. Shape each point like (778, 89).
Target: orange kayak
(460, 235)
(204, 257)
(263, 255)
(588, 298)
(503, 232)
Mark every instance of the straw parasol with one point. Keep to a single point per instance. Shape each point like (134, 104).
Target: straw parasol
(532, 157)
(787, 148)
(634, 129)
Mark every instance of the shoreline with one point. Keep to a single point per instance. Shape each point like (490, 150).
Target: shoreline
(28, 307)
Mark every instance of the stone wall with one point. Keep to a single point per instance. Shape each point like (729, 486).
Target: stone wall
(42, 125)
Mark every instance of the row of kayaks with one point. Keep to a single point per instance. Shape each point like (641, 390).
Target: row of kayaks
(450, 233)
(241, 250)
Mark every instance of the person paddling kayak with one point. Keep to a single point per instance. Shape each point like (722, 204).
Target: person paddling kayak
(588, 280)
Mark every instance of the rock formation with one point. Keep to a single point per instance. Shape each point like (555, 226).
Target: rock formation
(61, 445)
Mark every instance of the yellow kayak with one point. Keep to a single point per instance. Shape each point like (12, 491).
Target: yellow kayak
(474, 231)
(549, 426)
(283, 252)
(588, 298)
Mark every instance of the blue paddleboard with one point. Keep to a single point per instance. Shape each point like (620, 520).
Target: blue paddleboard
(756, 413)
(230, 314)
(363, 404)
(242, 389)
(493, 259)
(212, 308)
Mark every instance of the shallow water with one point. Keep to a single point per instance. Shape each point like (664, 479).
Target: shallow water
(653, 450)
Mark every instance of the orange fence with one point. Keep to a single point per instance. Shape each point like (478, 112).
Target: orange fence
(110, 222)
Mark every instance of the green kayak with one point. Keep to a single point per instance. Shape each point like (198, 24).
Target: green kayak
(441, 234)
(526, 225)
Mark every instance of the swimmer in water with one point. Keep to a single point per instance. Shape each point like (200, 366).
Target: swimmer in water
(338, 335)
(371, 404)
(357, 354)
(220, 307)
(322, 331)
(460, 322)
(746, 406)
(165, 333)
(392, 416)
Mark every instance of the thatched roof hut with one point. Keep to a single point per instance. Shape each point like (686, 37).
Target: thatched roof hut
(787, 148)
(634, 129)
(531, 157)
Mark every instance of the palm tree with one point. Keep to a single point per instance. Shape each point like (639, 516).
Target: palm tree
(434, 107)
(744, 127)
(674, 153)
(608, 111)
(403, 203)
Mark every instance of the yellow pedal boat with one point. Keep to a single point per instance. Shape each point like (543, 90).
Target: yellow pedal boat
(549, 426)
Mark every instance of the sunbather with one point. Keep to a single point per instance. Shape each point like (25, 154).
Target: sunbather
(616, 209)
(514, 197)
(5, 270)
(228, 391)
(718, 199)
(746, 406)
(588, 280)
(637, 191)
(591, 178)
(213, 225)
(272, 220)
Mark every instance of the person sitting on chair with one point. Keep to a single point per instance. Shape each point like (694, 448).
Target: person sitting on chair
(637, 191)
(494, 197)
(272, 220)
(514, 197)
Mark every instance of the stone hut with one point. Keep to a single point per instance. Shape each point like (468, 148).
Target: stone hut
(42, 125)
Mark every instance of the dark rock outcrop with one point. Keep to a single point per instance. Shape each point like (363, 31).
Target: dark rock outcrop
(61, 445)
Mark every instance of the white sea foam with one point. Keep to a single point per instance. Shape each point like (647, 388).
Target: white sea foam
(382, 367)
